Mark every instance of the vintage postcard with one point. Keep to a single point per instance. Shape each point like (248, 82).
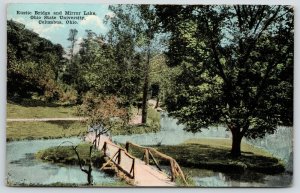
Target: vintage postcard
(126, 95)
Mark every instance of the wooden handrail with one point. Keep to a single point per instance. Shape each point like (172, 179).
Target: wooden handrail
(112, 144)
(174, 166)
(130, 156)
(118, 157)
(148, 153)
(164, 156)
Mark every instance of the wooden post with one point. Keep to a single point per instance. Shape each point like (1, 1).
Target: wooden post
(127, 146)
(132, 168)
(119, 157)
(156, 163)
(172, 170)
(180, 172)
(104, 148)
(99, 140)
(147, 156)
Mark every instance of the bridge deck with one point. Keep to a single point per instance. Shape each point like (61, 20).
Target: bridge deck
(145, 175)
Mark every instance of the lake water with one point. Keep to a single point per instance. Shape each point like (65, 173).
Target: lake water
(279, 144)
(23, 168)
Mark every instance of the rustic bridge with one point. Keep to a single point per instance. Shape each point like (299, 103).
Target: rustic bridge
(138, 172)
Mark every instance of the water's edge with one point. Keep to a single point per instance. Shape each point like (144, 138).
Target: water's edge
(23, 168)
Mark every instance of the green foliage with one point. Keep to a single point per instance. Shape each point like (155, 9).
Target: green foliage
(68, 96)
(33, 63)
(153, 118)
(212, 154)
(103, 112)
(134, 34)
(190, 181)
(66, 155)
(236, 67)
(217, 158)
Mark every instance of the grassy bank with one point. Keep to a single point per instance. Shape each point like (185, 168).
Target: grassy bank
(213, 154)
(34, 109)
(192, 155)
(152, 125)
(59, 129)
(44, 130)
(66, 155)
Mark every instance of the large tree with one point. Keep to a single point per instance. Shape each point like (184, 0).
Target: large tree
(133, 30)
(236, 67)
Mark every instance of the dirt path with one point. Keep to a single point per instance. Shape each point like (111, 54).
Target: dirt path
(46, 119)
(137, 119)
(145, 175)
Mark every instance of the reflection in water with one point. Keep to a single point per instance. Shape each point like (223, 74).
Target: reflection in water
(246, 179)
(279, 144)
(22, 167)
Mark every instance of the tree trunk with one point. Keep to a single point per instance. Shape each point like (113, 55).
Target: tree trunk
(157, 102)
(81, 166)
(145, 87)
(144, 103)
(89, 172)
(90, 176)
(236, 142)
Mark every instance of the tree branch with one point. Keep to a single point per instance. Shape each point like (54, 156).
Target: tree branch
(215, 54)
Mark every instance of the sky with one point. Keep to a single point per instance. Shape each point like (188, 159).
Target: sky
(58, 33)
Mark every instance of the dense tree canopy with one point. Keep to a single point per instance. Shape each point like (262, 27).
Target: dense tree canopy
(33, 64)
(236, 66)
(133, 29)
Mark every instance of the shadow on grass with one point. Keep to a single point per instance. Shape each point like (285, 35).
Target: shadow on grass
(37, 103)
(200, 156)
(65, 124)
(219, 159)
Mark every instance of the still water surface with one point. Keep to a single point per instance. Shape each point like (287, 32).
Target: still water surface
(279, 144)
(23, 168)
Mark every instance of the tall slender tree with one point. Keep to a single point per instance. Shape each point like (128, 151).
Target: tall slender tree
(138, 25)
(72, 38)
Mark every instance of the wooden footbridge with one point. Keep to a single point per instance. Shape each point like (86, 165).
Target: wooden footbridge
(138, 172)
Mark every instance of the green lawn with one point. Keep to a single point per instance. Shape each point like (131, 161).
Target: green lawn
(213, 154)
(39, 111)
(66, 155)
(41, 130)
(44, 130)
(59, 129)
(226, 145)
(152, 125)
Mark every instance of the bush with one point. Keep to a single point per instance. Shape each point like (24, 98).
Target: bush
(69, 96)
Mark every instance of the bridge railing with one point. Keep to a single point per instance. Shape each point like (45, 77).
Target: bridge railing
(120, 157)
(149, 152)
